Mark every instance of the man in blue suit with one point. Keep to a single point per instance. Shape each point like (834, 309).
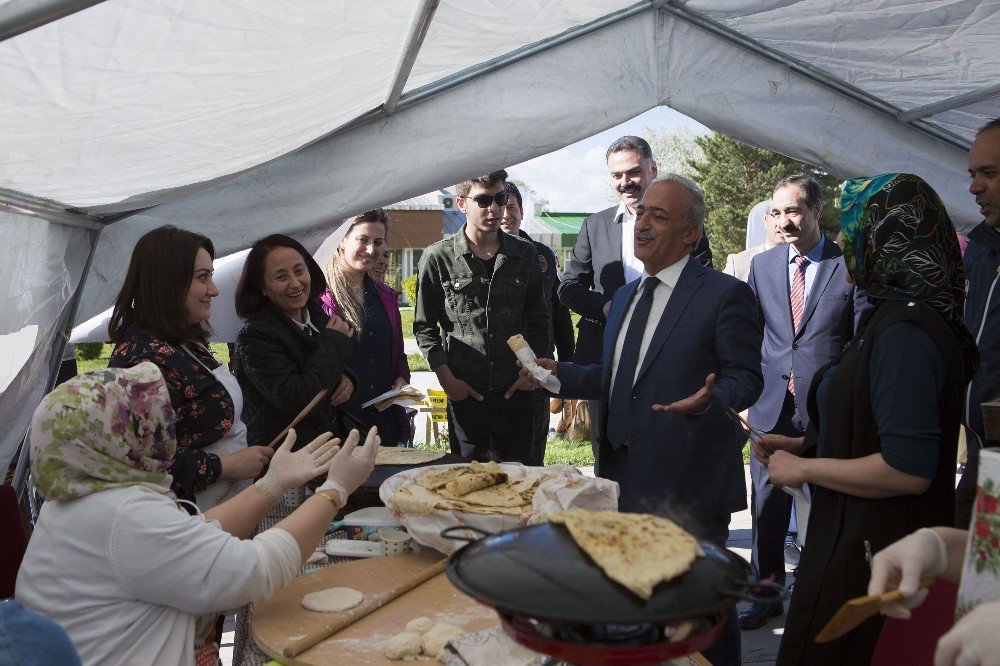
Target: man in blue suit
(809, 313)
(681, 345)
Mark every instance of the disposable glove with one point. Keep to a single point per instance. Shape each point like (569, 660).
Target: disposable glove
(922, 554)
(290, 469)
(973, 641)
(348, 471)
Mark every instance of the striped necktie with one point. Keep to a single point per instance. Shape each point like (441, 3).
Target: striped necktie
(797, 298)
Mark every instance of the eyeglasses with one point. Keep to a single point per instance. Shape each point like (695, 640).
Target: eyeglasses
(486, 200)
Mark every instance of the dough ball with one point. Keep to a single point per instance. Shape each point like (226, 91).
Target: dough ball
(438, 635)
(335, 599)
(401, 646)
(420, 625)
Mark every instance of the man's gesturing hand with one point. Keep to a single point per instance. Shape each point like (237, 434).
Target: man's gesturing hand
(696, 403)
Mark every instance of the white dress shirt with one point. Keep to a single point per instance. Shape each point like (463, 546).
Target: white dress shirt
(814, 256)
(668, 280)
(632, 266)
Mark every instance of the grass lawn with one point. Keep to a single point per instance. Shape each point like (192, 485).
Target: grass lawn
(220, 350)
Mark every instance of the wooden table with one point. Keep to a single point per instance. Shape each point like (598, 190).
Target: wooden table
(281, 619)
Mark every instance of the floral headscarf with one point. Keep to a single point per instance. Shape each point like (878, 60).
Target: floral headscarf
(104, 429)
(900, 244)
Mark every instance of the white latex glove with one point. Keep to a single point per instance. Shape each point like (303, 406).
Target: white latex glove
(973, 641)
(347, 471)
(290, 469)
(920, 555)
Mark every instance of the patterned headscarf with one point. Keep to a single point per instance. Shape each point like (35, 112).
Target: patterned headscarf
(104, 429)
(900, 244)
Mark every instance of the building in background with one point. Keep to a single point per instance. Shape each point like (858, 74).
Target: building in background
(417, 222)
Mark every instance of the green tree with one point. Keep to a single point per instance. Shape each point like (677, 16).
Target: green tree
(673, 150)
(734, 177)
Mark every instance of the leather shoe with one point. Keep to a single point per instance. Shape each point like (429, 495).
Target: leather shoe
(755, 615)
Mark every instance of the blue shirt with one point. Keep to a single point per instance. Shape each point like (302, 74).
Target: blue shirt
(814, 256)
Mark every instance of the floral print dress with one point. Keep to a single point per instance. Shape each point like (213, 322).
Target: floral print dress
(204, 409)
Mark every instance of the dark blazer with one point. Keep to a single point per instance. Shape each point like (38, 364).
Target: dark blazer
(280, 369)
(595, 273)
(829, 318)
(693, 462)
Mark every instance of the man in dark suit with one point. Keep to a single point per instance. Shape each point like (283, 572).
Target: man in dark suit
(603, 258)
(681, 345)
(809, 313)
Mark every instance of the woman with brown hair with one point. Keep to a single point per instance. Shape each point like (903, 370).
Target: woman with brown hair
(161, 315)
(370, 307)
(288, 349)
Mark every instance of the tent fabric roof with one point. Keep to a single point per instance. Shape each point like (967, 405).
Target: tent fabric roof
(237, 118)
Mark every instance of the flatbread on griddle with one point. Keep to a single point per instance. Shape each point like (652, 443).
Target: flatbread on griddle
(467, 483)
(398, 455)
(636, 550)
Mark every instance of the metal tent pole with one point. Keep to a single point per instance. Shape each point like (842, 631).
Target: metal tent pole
(20, 16)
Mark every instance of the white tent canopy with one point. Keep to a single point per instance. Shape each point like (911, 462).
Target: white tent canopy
(238, 118)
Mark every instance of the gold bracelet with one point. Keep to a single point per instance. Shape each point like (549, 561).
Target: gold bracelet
(329, 496)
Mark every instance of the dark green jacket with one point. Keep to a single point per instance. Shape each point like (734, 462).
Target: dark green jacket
(463, 317)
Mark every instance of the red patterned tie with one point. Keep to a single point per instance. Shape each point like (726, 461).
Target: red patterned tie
(797, 298)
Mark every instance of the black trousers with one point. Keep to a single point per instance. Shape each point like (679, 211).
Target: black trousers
(540, 432)
(493, 428)
(771, 507)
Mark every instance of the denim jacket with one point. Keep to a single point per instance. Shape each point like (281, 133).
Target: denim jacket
(463, 316)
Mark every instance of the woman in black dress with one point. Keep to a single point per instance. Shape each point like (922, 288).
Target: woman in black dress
(880, 452)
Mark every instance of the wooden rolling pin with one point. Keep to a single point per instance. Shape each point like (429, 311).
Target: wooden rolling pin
(367, 607)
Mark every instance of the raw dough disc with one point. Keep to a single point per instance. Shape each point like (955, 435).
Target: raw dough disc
(420, 625)
(333, 600)
(401, 646)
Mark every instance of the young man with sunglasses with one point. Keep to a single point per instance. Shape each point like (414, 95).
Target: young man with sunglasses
(475, 290)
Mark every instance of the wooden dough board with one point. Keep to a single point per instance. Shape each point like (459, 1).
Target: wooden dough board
(276, 622)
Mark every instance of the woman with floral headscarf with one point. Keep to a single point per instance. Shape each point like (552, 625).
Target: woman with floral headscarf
(129, 574)
(880, 451)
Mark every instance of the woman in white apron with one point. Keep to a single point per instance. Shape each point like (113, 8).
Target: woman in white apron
(234, 441)
(161, 315)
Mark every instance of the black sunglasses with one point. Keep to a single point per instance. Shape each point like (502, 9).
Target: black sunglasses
(484, 200)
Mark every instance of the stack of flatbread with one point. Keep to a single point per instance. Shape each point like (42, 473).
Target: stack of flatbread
(474, 488)
(636, 550)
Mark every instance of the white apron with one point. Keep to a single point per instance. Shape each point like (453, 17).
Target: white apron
(234, 440)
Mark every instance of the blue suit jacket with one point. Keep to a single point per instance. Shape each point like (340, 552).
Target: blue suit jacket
(829, 318)
(691, 462)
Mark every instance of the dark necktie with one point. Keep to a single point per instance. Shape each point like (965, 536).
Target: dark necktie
(797, 298)
(628, 363)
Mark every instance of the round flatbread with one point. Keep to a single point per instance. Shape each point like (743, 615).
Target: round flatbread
(397, 455)
(333, 600)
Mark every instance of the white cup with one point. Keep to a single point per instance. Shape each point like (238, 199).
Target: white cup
(395, 542)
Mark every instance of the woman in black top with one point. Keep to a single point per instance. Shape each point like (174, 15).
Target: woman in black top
(880, 452)
(288, 349)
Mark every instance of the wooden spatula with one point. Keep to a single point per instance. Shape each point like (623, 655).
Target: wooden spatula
(857, 610)
(301, 415)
